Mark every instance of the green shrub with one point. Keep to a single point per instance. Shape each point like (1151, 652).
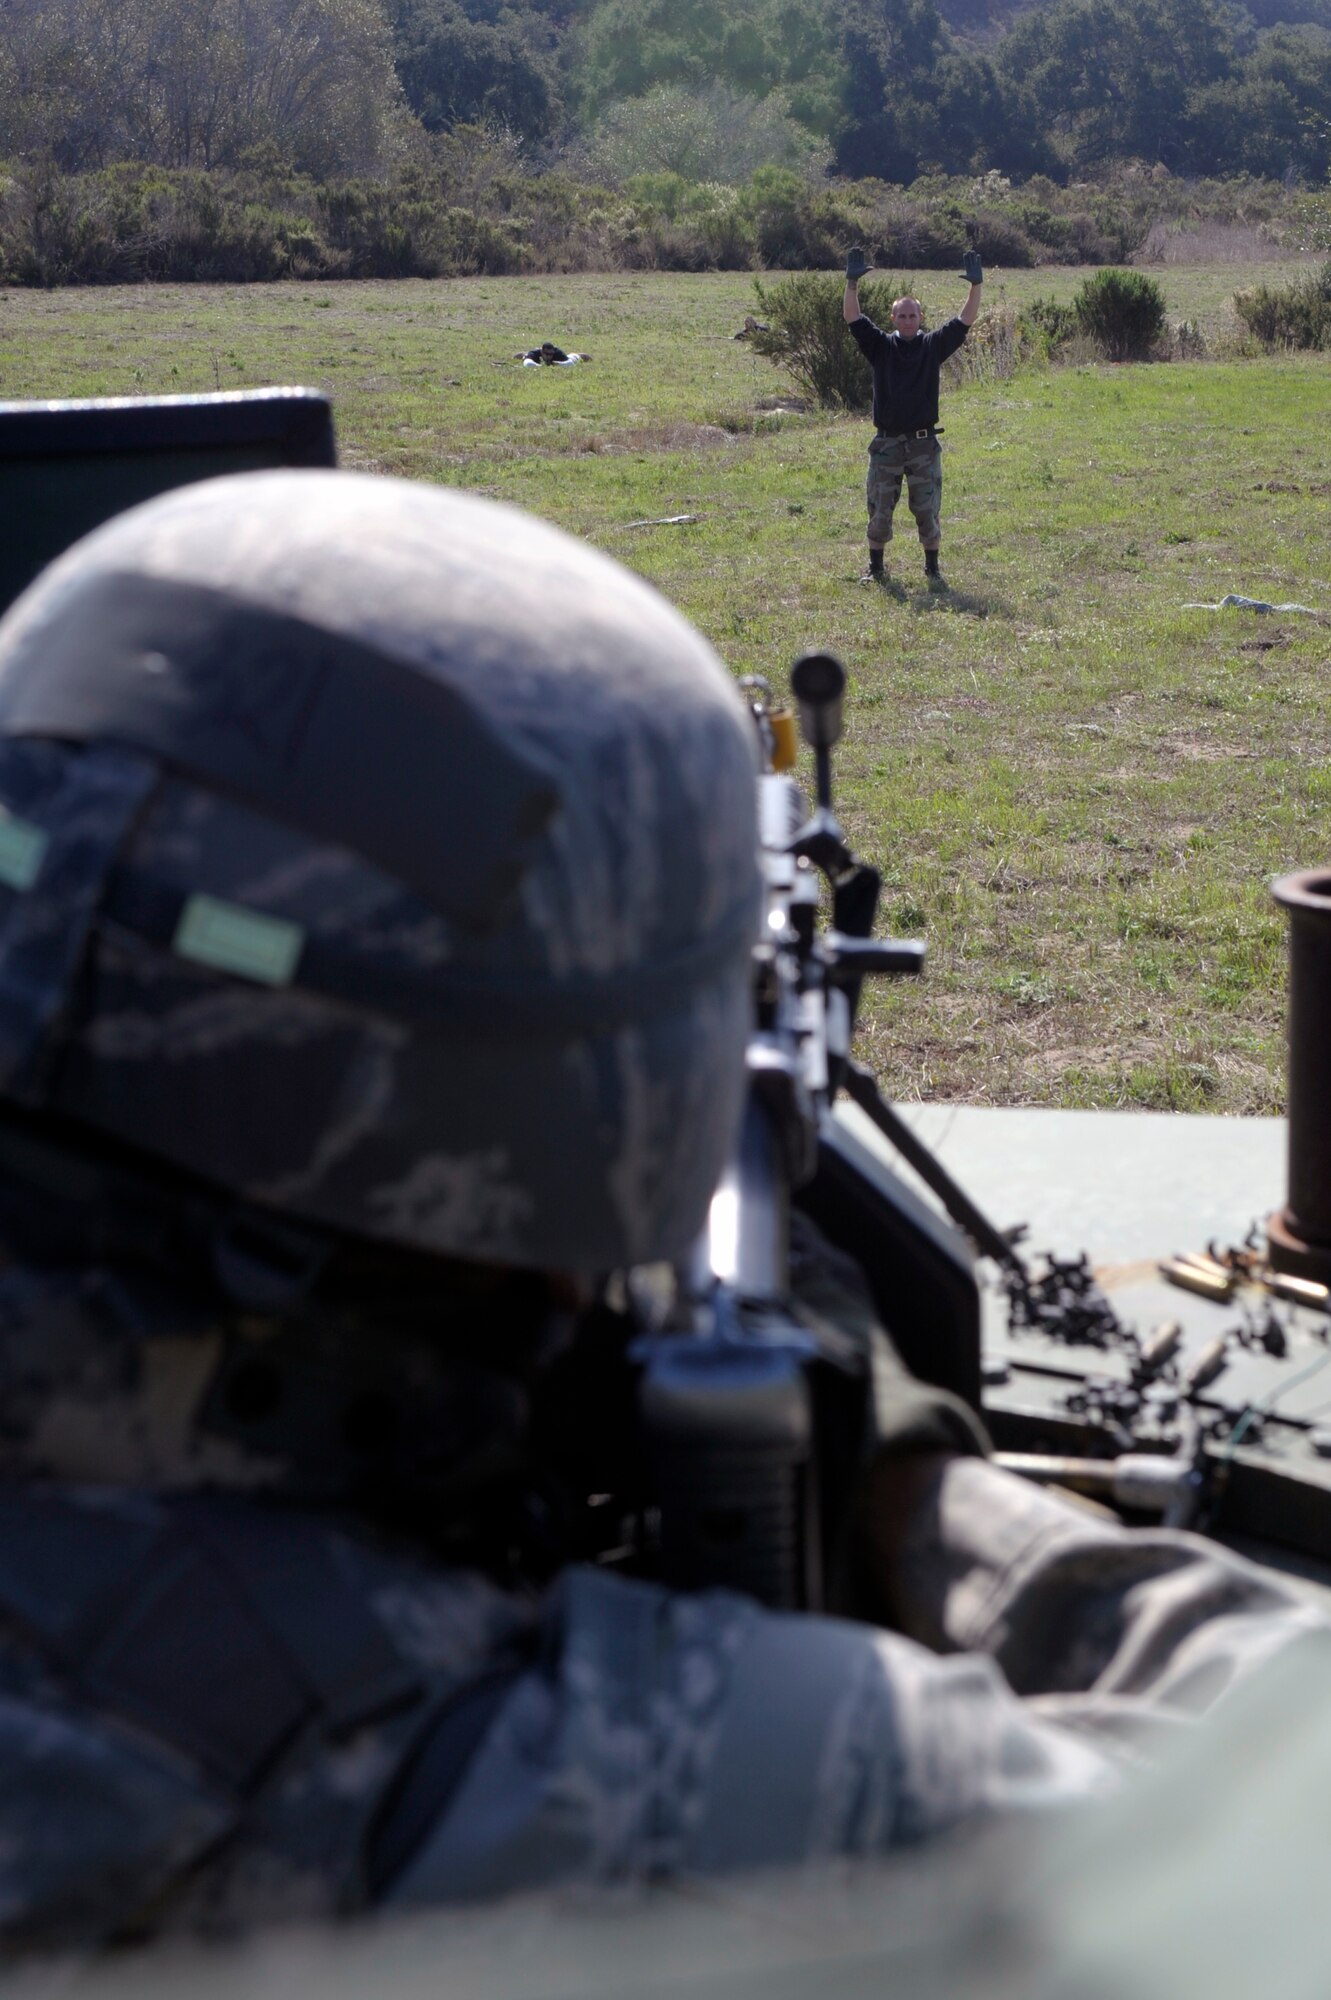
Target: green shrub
(807, 335)
(468, 201)
(664, 194)
(797, 227)
(728, 239)
(1000, 240)
(1123, 312)
(1046, 326)
(1293, 315)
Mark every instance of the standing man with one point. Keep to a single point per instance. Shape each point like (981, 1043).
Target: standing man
(905, 367)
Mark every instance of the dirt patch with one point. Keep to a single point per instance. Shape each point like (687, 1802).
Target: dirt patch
(1007, 881)
(659, 437)
(1202, 750)
(1089, 1060)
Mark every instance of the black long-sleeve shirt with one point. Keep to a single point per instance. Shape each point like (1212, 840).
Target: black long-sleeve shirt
(905, 372)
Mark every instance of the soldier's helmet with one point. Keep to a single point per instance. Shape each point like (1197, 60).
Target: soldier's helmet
(384, 858)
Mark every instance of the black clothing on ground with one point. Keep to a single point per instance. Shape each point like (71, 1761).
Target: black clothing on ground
(905, 372)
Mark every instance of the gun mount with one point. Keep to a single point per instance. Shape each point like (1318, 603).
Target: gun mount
(1195, 1388)
(756, 1421)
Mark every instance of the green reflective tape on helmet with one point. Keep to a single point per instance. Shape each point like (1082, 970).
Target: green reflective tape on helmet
(231, 939)
(22, 850)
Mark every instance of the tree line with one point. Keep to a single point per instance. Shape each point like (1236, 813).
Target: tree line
(894, 88)
(610, 89)
(196, 83)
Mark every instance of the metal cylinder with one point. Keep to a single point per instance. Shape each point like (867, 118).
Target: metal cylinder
(1300, 1233)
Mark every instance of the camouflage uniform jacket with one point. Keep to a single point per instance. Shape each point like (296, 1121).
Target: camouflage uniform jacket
(224, 1699)
(177, 1750)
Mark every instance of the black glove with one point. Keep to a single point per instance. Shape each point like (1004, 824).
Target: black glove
(909, 1415)
(972, 269)
(856, 265)
(909, 1418)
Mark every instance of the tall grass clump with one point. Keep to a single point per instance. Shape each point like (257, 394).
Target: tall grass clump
(991, 352)
(1123, 312)
(1293, 315)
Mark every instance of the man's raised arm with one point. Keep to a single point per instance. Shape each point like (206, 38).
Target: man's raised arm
(856, 266)
(973, 272)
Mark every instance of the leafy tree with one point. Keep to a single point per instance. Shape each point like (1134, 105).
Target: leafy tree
(917, 103)
(196, 83)
(626, 48)
(711, 136)
(459, 67)
(1244, 125)
(1273, 13)
(1109, 79)
(1295, 60)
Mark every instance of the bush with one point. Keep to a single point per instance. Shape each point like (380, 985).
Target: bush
(1000, 240)
(469, 201)
(1293, 315)
(1123, 312)
(1047, 327)
(797, 226)
(807, 335)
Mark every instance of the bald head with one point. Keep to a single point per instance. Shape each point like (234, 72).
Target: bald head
(906, 317)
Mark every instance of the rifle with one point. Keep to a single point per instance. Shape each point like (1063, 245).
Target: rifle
(757, 1419)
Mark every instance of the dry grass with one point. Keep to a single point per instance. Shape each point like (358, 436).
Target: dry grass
(1208, 244)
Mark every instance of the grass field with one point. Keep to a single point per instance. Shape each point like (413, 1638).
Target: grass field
(1076, 788)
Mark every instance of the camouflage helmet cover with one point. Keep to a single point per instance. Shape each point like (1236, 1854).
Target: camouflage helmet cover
(384, 857)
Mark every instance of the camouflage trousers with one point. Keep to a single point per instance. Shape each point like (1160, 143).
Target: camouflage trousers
(920, 462)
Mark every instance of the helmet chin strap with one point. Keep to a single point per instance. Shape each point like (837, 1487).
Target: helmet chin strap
(289, 1387)
(66, 1194)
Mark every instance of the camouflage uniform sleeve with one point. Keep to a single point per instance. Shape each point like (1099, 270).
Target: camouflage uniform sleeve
(671, 1736)
(1121, 1633)
(668, 1736)
(94, 1826)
